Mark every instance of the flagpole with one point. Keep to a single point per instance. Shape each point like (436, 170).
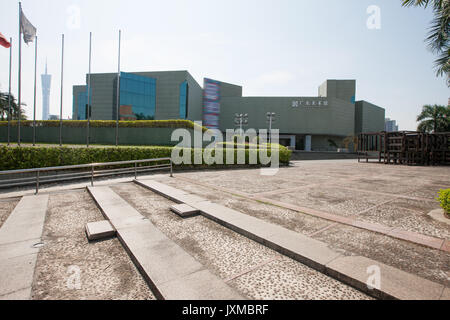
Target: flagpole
(19, 100)
(34, 108)
(118, 94)
(62, 75)
(9, 95)
(88, 110)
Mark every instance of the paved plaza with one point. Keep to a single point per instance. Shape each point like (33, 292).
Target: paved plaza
(369, 210)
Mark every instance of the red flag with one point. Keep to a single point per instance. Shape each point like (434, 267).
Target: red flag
(4, 42)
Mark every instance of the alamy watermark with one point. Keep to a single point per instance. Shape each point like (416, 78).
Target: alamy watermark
(74, 19)
(74, 279)
(374, 279)
(239, 147)
(374, 19)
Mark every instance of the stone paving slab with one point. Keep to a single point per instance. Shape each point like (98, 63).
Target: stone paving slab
(202, 285)
(18, 253)
(428, 241)
(16, 274)
(23, 294)
(26, 221)
(233, 257)
(170, 271)
(20, 248)
(99, 230)
(316, 254)
(414, 237)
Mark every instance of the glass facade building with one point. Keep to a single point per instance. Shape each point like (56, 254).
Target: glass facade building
(157, 95)
(140, 93)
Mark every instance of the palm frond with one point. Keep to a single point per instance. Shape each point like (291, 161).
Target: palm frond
(415, 3)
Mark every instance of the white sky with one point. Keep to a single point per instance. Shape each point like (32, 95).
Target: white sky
(271, 48)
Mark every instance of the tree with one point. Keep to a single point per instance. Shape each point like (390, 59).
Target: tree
(4, 105)
(439, 32)
(434, 118)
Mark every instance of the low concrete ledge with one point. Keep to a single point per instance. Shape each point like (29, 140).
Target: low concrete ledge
(184, 210)
(352, 270)
(313, 252)
(393, 283)
(176, 195)
(439, 215)
(163, 190)
(169, 270)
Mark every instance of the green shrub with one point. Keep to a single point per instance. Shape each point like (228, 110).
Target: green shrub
(444, 199)
(39, 157)
(12, 158)
(284, 153)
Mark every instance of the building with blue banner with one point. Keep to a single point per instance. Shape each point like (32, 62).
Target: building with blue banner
(312, 123)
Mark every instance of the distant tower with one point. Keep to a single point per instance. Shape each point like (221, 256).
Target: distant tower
(46, 82)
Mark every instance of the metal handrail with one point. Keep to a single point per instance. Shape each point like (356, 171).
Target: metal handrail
(80, 175)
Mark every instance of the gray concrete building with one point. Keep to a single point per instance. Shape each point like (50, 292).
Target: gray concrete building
(311, 123)
(390, 125)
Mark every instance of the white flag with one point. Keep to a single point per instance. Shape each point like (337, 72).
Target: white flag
(28, 30)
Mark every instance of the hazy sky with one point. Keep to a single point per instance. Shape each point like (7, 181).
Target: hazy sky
(271, 48)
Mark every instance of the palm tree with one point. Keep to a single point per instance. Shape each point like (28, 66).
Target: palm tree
(434, 118)
(439, 34)
(4, 105)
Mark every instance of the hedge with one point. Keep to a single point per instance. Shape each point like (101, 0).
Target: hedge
(12, 158)
(107, 124)
(444, 199)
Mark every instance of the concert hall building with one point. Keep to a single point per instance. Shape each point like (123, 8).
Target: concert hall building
(311, 123)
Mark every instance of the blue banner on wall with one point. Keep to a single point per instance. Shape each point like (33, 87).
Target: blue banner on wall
(211, 103)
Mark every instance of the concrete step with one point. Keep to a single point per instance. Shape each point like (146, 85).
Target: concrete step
(170, 271)
(18, 253)
(178, 196)
(184, 210)
(356, 271)
(99, 230)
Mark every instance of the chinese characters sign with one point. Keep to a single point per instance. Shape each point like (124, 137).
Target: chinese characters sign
(309, 103)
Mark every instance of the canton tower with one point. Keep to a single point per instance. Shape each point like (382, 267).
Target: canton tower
(46, 82)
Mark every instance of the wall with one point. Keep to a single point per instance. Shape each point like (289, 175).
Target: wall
(70, 135)
(195, 109)
(230, 90)
(368, 117)
(340, 89)
(336, 119)
(321, 143)
(103, 100)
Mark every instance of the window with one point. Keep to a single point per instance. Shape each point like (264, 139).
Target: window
(184, 95)
(82, 104)
(139, 93)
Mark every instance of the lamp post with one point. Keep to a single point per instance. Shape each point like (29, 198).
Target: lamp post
(241, 119)
(270, 120)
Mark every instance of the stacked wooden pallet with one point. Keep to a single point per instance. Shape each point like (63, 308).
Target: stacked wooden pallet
(405, 147)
